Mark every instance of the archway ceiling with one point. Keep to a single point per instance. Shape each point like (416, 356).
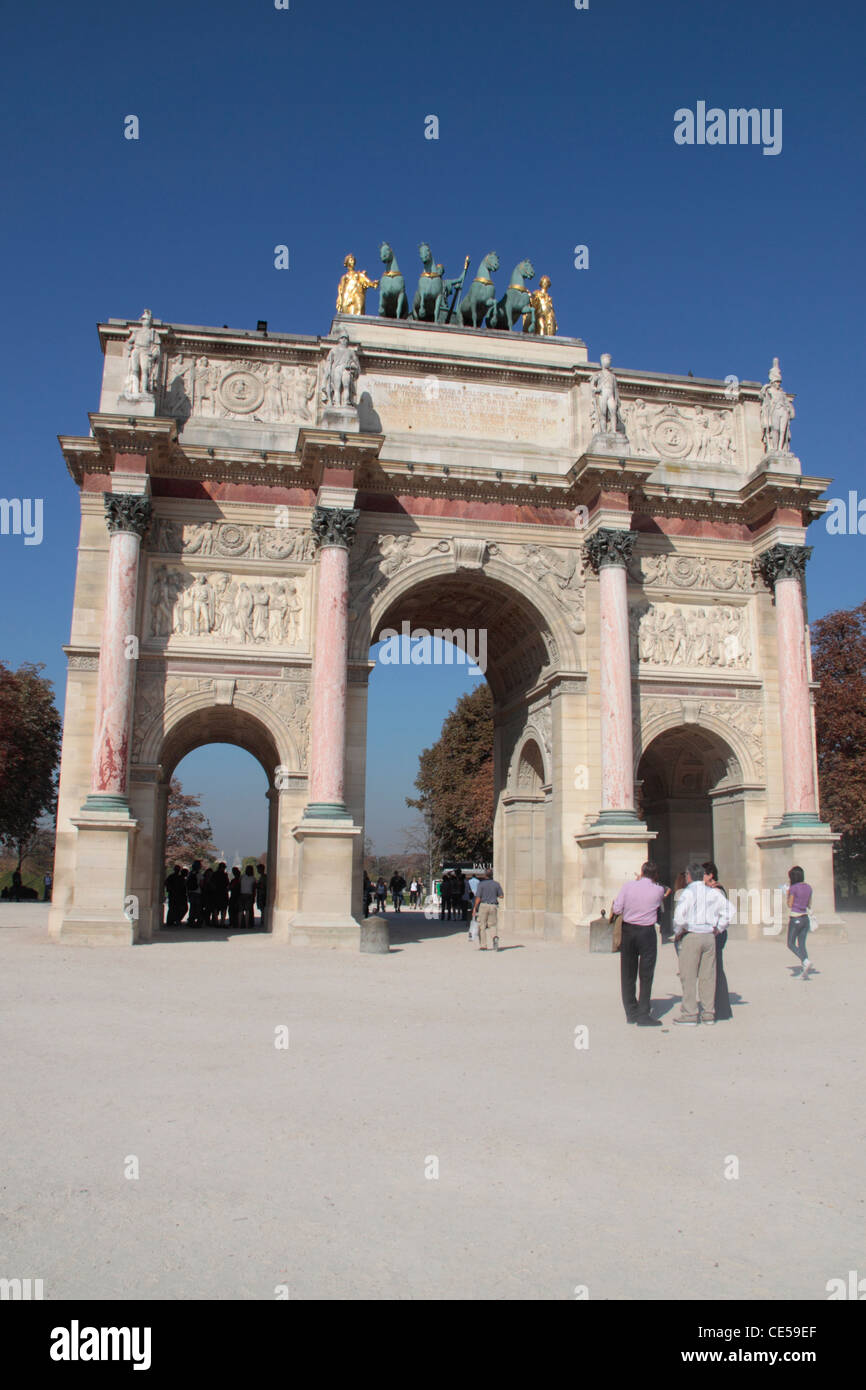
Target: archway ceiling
(685, 761)
(516, 651)
(221, 724)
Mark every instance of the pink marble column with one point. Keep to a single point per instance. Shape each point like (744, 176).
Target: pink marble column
(783, 567)
(609, 553)
(127, 517)
(334, 531)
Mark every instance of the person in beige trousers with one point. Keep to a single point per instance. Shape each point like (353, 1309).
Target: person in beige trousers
(485, 908)
(701, 913)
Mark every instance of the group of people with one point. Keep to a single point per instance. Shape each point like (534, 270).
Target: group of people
(458, 896)
(702, 915)
(213, 898)
(396, 886)
(470, 898)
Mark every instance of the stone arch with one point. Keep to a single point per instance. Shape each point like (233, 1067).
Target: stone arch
(243, 720)
(435, 588)
(529, 771)
(745, 756)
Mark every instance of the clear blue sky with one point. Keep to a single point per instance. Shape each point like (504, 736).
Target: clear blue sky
(306, 127)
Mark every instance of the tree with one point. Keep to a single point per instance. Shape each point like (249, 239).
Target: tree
(839, 663)
(30, 732)
(455, 781)
(421, 848)
(187, 829)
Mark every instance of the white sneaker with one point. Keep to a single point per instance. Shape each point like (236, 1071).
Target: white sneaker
(806, 968)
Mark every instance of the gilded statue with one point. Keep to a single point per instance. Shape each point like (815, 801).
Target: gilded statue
(352, 290)
(545, 318)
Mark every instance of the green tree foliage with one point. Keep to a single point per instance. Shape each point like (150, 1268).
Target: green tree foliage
(455, 781)
(30, 731)
(839, 663)
(187, 830)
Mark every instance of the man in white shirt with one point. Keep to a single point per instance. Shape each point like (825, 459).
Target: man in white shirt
(701, 913)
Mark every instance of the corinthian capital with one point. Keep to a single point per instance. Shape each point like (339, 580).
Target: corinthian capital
(126, 511)
(334, 526)
(605, 547)
(782, 562)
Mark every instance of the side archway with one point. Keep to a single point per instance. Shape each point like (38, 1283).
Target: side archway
(191, 723)
(693, 793)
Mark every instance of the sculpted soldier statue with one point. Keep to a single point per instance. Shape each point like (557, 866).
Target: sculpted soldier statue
(142, 354)
(777, 412)
(606, 400)
(342, 369)
(545, 318)
(352, 290)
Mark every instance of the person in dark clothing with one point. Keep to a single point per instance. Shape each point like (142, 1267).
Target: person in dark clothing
(16, 886)
(723, 998)
(207, 897)
(261, 893)
(220, 886)
(193, 892)
(234, 897)
(368, 893)
(397, 884)
(175, 887)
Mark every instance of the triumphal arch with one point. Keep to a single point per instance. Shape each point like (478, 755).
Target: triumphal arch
(257, 507)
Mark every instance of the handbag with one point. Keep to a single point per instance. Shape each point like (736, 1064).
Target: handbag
(616, 933)
(813, 921)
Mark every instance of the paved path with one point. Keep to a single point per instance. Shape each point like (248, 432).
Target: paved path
(305, 1166)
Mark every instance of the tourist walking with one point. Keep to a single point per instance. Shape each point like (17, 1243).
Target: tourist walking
(799, 900)
(413, 893)
(381, 894)
(247, 896)
(368, 893)
(723, 998)
(47, 880)
(486, 909)
(639, 901)
(397, 884)
(700, 913)
(261, 893)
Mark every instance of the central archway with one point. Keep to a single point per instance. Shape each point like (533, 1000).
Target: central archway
(526, 639)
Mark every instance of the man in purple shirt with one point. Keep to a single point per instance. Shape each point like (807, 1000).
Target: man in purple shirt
(639, 901)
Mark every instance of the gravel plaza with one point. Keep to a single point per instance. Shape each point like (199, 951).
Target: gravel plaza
(434, 1127)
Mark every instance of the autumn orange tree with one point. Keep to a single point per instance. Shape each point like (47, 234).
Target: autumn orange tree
(187, 829)
(455, 781)
(30, 731)
(839, 663)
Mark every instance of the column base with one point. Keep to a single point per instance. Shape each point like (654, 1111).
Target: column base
(324, 916)
(811, 846)
(801, 820)
(102, 911)
(106, 801)
(92, 926)
(611, 854)
(326, 810)
(618, 818)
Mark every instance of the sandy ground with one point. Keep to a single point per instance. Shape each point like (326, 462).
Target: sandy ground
(307, 1166)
